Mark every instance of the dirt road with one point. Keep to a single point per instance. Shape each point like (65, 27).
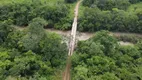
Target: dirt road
(66, 75)
(73, 31)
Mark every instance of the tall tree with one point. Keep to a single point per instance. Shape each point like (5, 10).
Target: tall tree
(35, 34)
(5, 29)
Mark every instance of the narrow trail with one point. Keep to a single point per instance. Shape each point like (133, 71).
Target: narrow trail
(66, 74)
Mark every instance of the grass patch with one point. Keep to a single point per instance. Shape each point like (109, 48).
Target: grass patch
(3, 2)
(72, 7)
(6, 2)
(81, 10)
(135, 7)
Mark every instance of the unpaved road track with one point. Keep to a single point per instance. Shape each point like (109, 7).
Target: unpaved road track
(66, 74)
(73, 31)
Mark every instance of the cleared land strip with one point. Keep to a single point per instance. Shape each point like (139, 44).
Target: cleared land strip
(66, 75)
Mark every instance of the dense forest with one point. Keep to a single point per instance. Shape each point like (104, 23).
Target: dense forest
(30, 54)
(112, 15)
(36, 54)
(102, 58)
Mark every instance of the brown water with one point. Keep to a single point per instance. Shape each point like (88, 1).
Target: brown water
(79, 35)
(84, 35)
